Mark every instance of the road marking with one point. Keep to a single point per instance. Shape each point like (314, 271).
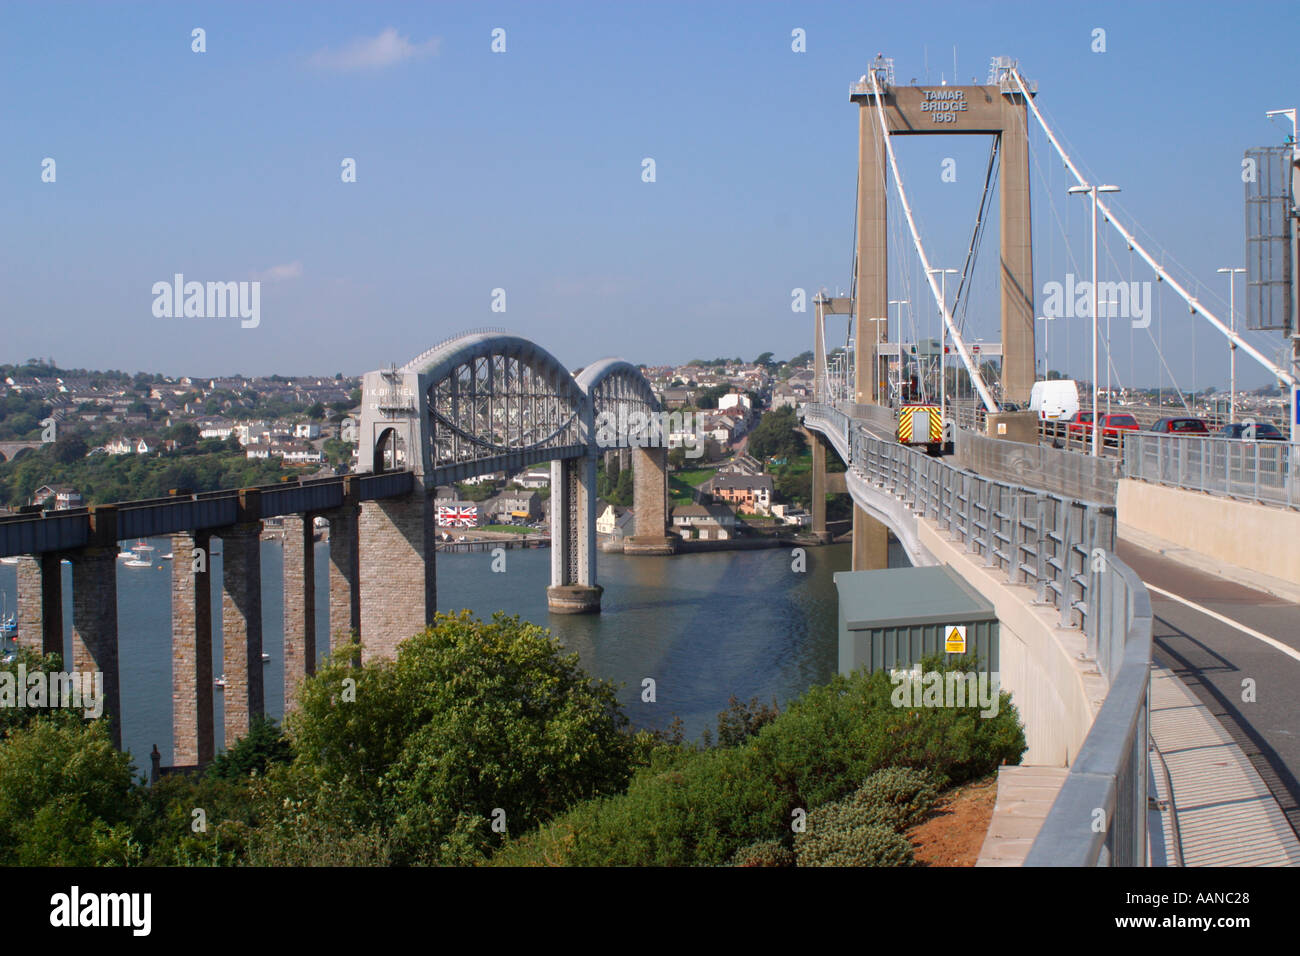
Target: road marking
(1271, 642)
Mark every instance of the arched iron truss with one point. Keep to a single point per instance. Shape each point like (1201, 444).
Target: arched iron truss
(493, 395)
(617, 390)
(490, 400)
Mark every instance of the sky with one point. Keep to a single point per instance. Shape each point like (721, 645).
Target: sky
(522, 171)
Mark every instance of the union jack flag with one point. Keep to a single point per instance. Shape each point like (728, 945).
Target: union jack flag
(457, 516)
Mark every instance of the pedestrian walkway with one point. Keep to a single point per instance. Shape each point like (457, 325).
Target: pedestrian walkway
(1216, 809)
(1025, 794)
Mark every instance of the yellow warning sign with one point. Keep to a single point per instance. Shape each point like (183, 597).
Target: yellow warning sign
(954, 641)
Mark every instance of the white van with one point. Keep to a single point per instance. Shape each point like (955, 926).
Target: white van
(1056, 400)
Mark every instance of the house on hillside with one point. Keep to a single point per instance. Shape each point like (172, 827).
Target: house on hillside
(616, 523)
(56, 497)
(751, 493)
(711, 522)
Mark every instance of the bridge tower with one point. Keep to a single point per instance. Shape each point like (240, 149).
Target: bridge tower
(992, 110)
(395, 569)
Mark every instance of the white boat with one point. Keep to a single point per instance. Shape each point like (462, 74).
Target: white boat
(127, 555)
(138, 563)
(143, 545)
(167, 556)
(12, 560)
(220, 683)
(265, 657)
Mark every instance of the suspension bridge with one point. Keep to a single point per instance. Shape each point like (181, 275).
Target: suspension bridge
(1145, 595)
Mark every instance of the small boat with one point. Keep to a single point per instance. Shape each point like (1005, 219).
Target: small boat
(127, 555)
(8, 626)
(167, 556)
(143, 545)
(135, 562)
(265, 657)
(10, 560)
(220, 683)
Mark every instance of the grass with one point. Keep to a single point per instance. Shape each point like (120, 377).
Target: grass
(509, 528)
(694, 477)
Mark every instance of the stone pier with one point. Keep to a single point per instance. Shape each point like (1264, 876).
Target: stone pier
(398, 587)
(650, 502)
(192, 713)
(40, 603)
(241, 619)
(94, 612)
(299, 604)
(344, 577)
(573, 587)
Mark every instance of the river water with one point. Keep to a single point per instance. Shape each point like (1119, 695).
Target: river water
(702, 626)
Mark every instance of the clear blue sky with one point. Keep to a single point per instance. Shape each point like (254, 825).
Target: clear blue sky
(522, 170)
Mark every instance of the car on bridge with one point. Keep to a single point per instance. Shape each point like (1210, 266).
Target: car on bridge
(1264, 431)
(1181, 426)
(1112, 424)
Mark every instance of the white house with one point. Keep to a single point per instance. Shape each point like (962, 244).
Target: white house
(308, 430)
(707, 522)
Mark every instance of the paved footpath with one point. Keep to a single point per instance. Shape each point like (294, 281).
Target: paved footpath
(1224, 714)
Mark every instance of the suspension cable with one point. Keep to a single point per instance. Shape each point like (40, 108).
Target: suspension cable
(1194, 304)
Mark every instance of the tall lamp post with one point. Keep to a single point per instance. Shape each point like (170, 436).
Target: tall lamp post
(898, 326)
(1093, 190)
(1232, 343)
(943, 341)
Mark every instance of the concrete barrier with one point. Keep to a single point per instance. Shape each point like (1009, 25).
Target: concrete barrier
(1039, 466)
(1056, 691)
(1258, 538)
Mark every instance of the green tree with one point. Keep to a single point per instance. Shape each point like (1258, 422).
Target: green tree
(65, 796)
(776, 437)
(316, 411)
(69, 448)
(262, 746)
(471, 717)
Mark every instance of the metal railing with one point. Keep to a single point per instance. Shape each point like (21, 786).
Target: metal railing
(1043, 540)
(1099, 818)
(1064, 549)
(1258, 471)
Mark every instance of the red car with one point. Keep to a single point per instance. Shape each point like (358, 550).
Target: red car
(1180, 426)
(1112, 424)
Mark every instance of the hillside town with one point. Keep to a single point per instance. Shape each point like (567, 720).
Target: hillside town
(66, 423)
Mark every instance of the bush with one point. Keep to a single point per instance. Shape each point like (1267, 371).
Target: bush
(262, 746)
(700, 807)
(838, 835)
(897, 797)
(767, 853)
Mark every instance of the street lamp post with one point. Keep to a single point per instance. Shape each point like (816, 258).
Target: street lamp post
(943, 342)
(1093, 190)
(1232, 343)
(898, 327)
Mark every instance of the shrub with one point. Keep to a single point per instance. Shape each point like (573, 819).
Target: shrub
(897, 797)
(767, 853)
(837, 838)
